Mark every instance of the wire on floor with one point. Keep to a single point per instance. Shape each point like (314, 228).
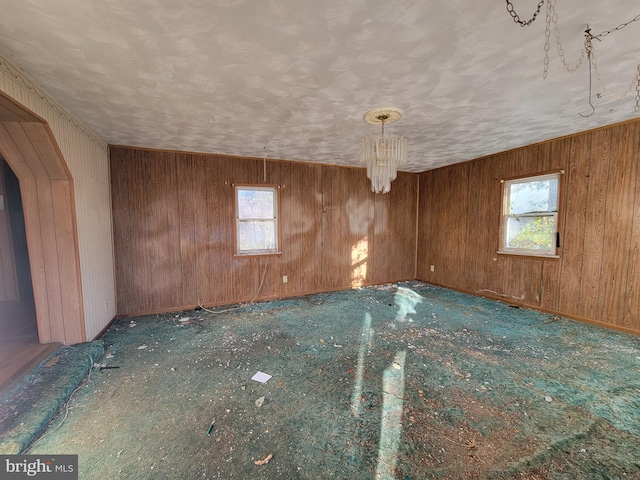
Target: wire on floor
(242, 305)
(66, 412)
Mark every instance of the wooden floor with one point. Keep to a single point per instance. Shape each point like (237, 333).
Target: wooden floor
(20, 350)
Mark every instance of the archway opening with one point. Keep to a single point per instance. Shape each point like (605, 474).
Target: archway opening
(46, 187)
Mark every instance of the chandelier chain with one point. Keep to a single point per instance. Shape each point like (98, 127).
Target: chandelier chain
(619, 27)
(516, 17)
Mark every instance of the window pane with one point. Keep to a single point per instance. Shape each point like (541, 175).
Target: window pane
(536, 196)
(257, 235)
(256, 203)
(536, 233)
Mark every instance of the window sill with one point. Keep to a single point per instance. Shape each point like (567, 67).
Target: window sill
(528, 254)
(255, 254)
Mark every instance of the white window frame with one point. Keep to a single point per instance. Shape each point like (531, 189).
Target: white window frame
(274, 219)
(506, 215)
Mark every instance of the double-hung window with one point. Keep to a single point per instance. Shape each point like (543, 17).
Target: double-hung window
(530, 215)
(256, 219)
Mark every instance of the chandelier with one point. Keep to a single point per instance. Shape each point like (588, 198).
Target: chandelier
(383, 154)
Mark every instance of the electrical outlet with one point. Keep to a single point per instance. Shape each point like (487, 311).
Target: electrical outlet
(285, 279)
(432, 268)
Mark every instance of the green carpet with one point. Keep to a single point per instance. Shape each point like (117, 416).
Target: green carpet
(409, 382)
(30, 405)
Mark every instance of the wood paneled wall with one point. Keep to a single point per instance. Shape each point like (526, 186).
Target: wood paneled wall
(174, 230)
(596, 278)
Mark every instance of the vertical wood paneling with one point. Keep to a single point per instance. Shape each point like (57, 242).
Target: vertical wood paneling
(592, 272)
(175, 213)
(391, 233)
(32, 212)
(212, 211)
(291, 228)
(122, 227)
(157, 197)
(450, 224)
(67, 271)
(360, 211)
(488, 261)
(619, 218)
(597, 276)
(140, 282)
(473, 225)
(28, 153)
(631, 319)
(336, 261)
(225, 230)
(425, 219)
(576, 181)
(185, 206)
(173, 231)
(51, 264)
(208, 289)
(430, 231)
(310, 196)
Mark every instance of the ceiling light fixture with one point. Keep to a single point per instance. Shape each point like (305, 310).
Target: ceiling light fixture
(383, 154)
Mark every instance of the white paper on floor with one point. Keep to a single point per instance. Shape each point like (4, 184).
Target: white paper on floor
(261, 377)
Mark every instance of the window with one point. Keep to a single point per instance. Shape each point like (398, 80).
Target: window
(256, 219)
(530, 215)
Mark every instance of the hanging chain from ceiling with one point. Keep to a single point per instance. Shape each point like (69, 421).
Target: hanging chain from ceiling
(588, 46)
(637, 107)
(619, 27)
(552, 17)
(593, 64)
(516, 18)
(587, 51)
(602, 84)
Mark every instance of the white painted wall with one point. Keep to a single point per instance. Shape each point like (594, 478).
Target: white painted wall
(87, 157)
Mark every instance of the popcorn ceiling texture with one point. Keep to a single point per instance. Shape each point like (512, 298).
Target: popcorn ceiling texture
(293, 79)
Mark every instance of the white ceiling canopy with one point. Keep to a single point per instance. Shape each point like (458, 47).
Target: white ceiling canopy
(293, 78)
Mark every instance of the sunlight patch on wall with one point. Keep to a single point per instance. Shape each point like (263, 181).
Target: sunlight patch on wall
(359, 255)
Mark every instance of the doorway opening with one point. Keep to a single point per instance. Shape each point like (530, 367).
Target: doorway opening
(45, 184)
(19, 345)
(17, 289)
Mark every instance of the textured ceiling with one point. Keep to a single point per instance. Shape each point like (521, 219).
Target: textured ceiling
(293, 78)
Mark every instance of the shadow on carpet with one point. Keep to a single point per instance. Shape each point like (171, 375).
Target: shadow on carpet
(405, 381)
